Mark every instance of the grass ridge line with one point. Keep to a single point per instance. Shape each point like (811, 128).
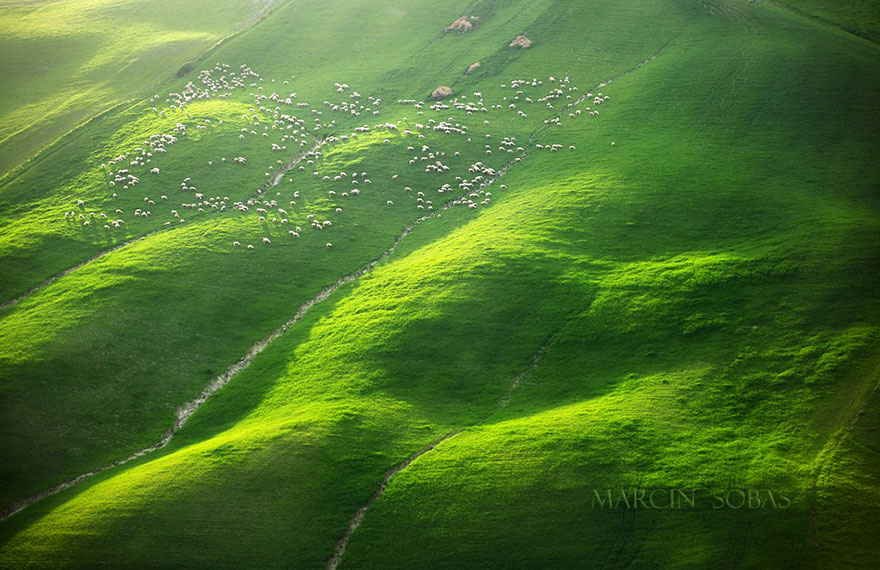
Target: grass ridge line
(189, 408)
(358, 517)
(276, 180)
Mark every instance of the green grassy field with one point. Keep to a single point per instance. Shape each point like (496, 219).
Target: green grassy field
(65, 62)
(684, 295)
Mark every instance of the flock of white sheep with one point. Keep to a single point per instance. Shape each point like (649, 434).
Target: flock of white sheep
(274, 118)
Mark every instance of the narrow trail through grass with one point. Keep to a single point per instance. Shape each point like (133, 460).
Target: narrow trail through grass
(189, 408)
(359, 398)
(361, 513)
(358, 517)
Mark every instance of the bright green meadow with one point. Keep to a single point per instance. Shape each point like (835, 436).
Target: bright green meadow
(674, 286)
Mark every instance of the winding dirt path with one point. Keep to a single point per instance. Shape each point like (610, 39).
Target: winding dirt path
(359, 515)
(189, 408)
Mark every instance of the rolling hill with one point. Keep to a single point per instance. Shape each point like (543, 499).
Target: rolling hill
(290, 310)
(66, 62)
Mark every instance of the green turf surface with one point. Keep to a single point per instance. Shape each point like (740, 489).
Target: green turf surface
(64, 62)
(701, 295)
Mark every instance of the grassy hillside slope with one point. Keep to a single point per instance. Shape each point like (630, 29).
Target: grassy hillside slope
(859, 17)
(64, 62)
(245, 303)
(682, 296)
